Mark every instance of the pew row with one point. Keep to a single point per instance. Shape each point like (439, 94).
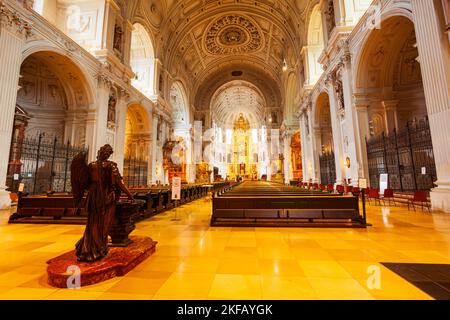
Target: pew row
(293, 211)
(55, 209)
(60, 209)
(267, 205)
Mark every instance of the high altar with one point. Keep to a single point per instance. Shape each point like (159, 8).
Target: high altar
(296, 154)
(244, 163)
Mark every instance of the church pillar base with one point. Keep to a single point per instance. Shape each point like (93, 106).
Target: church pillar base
(440, 198)
(5, 200)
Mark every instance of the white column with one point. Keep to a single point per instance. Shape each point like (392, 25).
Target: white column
(362, 111)
(314, 148)
(351, 132)
(390, 115)
(154, 147)
(119, 148)
(191, 172)
(434, 57)
(337, 135)
(164, 138)
(304, 150)
(97, 118)
(12, 36)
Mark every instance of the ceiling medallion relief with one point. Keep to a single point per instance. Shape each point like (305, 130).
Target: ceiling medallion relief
(233, 34)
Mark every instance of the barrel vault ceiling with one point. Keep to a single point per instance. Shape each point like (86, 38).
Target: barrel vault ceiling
(205, 41)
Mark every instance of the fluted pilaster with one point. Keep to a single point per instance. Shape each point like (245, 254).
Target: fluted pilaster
(13, 31)
(435, 65)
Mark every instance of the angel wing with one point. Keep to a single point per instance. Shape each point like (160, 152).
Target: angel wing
(79, 171)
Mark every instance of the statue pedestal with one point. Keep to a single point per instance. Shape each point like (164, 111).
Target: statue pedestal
(123, 225)
(62, 270)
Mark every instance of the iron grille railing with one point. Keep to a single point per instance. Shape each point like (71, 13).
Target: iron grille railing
(327, 168)
(406, 156)
(41, 164)
(135, 172)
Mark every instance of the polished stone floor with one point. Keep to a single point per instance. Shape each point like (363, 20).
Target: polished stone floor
(195, 261)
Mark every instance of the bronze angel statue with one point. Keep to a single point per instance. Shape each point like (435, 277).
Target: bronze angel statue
(103, 183)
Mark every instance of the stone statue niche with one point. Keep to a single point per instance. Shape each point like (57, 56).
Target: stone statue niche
(330, 17)
(118, 35)
(112, 109)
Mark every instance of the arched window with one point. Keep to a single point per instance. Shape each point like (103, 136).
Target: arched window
(291, 96)
(38, 6)
(142, 60)
(180, 107)
(314, 48)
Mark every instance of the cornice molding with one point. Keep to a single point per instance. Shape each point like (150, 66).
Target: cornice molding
(13, 21)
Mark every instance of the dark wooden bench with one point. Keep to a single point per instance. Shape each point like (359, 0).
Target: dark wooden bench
(275, 206)
(55, 209)
(59, 208)
(151, 203)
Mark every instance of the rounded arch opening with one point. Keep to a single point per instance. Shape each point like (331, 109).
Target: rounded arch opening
(389, 81)
(51, 116)
(237, 98)
(323, 120)
(137, 146)
(291, 98)
(180, 107)
(142, 60)
(56, 95)
(315, 46)
(324, 140)
(389, 76)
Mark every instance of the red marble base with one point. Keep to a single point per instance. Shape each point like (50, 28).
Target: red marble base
(119, 262)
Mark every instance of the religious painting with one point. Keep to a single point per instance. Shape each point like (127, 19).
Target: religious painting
(274, 117)
(242, 169)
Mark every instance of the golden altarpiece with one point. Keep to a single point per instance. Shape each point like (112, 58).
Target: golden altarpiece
(244, 152)
(296, 154)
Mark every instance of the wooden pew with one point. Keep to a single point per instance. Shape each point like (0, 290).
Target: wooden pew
(276, 206)
(59, 208)
(45, 209)
(151, 200)
(56, 209)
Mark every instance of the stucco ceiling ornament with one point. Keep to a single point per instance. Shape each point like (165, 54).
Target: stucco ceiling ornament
(233, 34)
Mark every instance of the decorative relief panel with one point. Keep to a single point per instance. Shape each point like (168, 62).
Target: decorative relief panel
(233, 34)
(40, 88)
(408, 69)
(81, 25)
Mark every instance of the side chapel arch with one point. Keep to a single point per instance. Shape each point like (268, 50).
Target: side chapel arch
(142, 60)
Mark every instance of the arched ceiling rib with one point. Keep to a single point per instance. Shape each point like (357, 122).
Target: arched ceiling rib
(204, 41)
(199, 34)
(238, 97)
(220, 76)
